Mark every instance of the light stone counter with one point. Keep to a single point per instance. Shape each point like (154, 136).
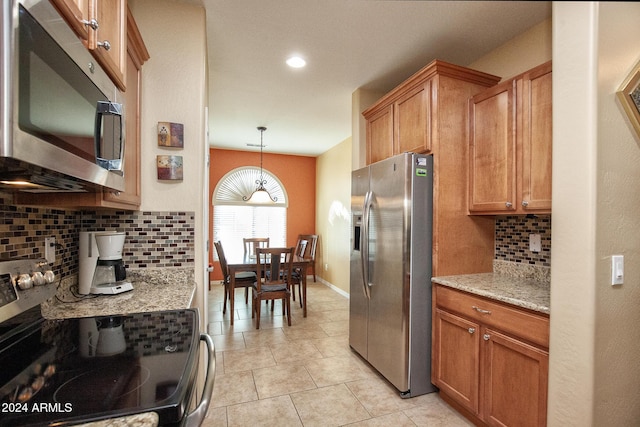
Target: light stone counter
(523, 287)
(147, 419)
(153, 290)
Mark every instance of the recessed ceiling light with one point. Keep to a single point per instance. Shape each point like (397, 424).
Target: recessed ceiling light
(296, 62)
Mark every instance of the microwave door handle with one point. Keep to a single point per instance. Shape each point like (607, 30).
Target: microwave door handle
(196, 417)
(109, 109)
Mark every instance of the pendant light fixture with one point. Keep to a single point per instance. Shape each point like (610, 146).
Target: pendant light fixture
(260, 195)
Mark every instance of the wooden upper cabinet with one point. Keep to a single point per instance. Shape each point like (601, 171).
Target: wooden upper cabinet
(131, 197)
(510, 142)
(492, 149)
(102, 25)
(536, 139)
(76, 13)
(380, 135)
(108, 43)
(137, 55)
(412, 116)
(400, 126)
(424, 113)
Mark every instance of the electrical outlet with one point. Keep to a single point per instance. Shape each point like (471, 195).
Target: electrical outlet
(50, 249)
(535, 243)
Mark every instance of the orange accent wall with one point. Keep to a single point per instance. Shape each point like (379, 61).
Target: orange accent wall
(297, 174)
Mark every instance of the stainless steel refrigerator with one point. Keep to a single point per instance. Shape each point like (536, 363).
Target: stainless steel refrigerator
(390, 285)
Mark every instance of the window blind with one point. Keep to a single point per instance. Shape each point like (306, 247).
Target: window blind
(233, 223)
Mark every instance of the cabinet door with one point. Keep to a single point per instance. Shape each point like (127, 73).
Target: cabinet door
(108, 41)
(515, 382)
(456, 359)
(76, 14)
(131, 194)
(380, 135)
(413, 121)
(492, 150)
(536, 139)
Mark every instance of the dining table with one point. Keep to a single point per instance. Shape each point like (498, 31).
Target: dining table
(248, 262)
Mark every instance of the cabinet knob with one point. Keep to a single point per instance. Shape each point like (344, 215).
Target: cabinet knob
(472, 330)
(91, 23)
(105, 44)
(508, 204)
(486, 337)
(525, 203)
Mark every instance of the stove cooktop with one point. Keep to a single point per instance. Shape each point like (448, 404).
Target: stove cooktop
(65, 371)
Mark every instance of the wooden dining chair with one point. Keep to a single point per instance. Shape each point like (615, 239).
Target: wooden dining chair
(296, 275)
(244, 279)
(274, 267)
(310, 253)
(251, 243)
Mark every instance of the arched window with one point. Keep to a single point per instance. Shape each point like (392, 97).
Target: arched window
(234, 218)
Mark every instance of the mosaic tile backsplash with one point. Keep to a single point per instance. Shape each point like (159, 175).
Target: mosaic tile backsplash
(154, 239)
(166, 239)
(512, 239)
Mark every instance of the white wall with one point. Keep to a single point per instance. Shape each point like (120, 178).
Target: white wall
(174, 90)
(531, 48)
(573, 228)
(595, 342)
(333, 215)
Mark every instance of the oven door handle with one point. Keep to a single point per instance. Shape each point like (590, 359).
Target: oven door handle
(196, 417)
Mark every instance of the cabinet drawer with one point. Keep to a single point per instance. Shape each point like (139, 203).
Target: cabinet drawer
(521, 323)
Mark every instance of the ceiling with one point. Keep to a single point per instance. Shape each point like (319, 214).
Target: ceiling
(348, 44)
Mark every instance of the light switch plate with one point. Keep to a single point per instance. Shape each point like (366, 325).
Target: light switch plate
(617, 270)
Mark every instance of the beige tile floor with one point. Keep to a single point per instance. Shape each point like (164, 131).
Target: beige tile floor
(305, 374)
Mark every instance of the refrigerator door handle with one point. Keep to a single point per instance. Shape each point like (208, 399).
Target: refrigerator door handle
(364, 253)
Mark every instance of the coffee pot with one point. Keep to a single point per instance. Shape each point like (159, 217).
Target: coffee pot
(101, 263)
(109, 271)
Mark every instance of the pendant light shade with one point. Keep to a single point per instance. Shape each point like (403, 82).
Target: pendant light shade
(260, 195)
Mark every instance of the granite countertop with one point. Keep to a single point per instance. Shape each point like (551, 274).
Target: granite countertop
(147, 419)
(153, 290)
(513, 286)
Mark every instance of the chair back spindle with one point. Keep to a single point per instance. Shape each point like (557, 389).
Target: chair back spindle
(275, 266)
(251, 243)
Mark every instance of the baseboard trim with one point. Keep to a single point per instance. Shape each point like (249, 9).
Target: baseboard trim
(333, 287)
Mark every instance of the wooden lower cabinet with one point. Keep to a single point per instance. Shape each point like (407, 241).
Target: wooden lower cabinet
(515, 378)
(493, 377)
(457, 358)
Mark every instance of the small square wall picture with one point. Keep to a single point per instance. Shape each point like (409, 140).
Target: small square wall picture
(169, 168)
(170, 135)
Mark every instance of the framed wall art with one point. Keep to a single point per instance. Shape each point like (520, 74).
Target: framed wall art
(629, 96)
(169, 168)
(170, 135)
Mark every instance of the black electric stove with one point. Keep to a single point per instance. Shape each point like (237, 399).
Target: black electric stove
(63, 372)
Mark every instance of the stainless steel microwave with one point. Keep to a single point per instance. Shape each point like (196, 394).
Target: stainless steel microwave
(61, 116)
